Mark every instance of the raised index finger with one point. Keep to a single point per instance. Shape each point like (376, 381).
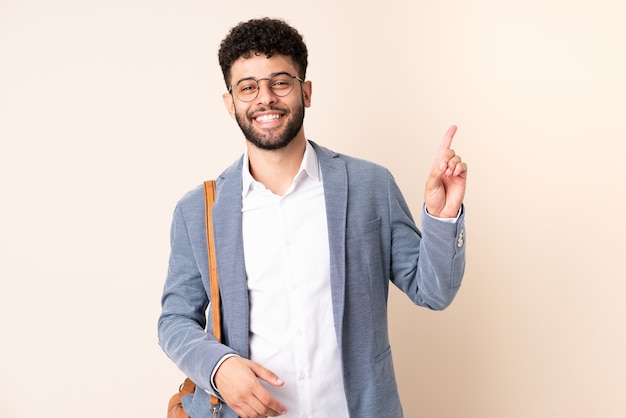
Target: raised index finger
(446, 141)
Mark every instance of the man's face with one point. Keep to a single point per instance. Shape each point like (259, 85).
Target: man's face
(268, 121)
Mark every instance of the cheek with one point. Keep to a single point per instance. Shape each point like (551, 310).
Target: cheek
(239, 111)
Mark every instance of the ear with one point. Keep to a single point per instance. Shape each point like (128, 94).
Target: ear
(306, 92)
(229, 103)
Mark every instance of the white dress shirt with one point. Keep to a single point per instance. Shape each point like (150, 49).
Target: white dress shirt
(287, 260)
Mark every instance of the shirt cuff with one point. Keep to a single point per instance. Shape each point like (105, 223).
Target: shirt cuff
(447, 220)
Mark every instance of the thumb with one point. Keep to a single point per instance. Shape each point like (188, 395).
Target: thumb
(267, 375)
(433, 181)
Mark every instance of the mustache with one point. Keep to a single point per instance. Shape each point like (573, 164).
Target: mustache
(266, 109)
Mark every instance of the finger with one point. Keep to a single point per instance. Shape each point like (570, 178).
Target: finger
(444, 153)
(255, 406)
(460, 169)
(445, 164)
(446, 141)
(274, 407)
(451, 163)
(265, 404)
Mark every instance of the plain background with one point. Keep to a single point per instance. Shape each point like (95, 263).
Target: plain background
(111, 110)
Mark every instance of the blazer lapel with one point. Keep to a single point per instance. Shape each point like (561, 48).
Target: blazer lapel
(230, 258)
(335, 179)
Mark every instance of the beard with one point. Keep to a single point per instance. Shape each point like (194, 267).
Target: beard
(271, 140)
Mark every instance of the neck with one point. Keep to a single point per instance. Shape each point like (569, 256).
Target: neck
(276, 169)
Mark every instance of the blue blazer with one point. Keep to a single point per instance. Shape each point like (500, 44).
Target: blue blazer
(373, 240)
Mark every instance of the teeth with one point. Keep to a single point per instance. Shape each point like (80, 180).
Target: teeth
(268, 118)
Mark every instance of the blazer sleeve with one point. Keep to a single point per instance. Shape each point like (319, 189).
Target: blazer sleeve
(427, 265)
(182, 323)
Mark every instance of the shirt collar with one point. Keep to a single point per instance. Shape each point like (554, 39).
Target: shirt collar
(309, 166)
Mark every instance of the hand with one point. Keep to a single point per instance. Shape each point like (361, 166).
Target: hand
(237, 380)
(445, 187)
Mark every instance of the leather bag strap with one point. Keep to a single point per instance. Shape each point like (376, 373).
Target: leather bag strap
(209, 198)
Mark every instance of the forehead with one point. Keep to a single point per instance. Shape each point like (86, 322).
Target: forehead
(259, 66)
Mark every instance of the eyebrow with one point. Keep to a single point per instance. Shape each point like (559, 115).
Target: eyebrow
(262, 78)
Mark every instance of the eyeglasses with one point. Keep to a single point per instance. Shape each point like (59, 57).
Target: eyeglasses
(280, 84)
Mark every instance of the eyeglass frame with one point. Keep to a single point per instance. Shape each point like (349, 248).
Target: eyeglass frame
(231, 88)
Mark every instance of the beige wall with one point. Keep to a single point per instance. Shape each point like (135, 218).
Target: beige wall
(110, 110)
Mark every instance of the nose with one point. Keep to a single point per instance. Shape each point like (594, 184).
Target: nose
(265, 95)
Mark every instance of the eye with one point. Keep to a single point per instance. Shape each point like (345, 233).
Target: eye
(247, 87)
(281, 82)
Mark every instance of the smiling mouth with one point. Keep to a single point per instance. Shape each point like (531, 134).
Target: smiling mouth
(268, 118)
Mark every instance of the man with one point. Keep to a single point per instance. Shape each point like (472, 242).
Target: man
(307, 241)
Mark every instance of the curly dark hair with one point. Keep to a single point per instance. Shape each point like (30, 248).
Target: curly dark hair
(262, 36)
